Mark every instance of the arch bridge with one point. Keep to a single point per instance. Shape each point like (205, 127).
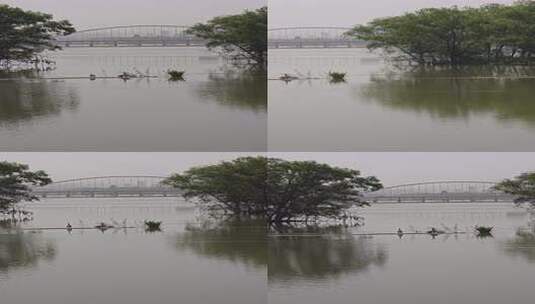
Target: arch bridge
(108, 186)
(132, 35)
(312, 37)
(440, 191)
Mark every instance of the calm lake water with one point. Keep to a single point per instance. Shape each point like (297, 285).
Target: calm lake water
(190, 261)
(217, 108)
(381, 108)
(341, 267)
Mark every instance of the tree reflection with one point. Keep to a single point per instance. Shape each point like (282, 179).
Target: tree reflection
(319, 254)
(23, 250)
(244, 89)
(522, 245)
(455, 93)
(25, 99)
(240, 241)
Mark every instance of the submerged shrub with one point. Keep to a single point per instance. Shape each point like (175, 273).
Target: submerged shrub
(152, 226)
(175, 75)
(483, 231)
(335, 77)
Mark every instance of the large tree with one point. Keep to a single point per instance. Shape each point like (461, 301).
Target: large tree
(522, 187)
(242, 36)
(16, 181)
(278, 190)
(25, 34)
(453, 36)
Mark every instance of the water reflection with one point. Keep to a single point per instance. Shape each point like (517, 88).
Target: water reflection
(26, 99)
(449, 93)
(523, 244)
(23, 250)
(237, 88)
(235, 240)
(326, 254)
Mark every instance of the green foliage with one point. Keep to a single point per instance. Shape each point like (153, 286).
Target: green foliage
(25, 34)
(242, 36)
(15, 184)
(335, 77)
(152, 226)
(175, 75)
(522, 186)
(278, 190)
(454, 36)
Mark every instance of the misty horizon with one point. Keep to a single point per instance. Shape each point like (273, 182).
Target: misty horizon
(99, 13)
(348, 13)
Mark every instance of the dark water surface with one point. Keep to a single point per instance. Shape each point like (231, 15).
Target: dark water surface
(217, 108)
(381, 108)
(340, 267)
(188, 262)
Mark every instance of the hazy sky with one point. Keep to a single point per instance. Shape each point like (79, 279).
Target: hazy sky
(391, 168)
(95, 13)
(350, 12)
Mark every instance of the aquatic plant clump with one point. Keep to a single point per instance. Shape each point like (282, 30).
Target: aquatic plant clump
(483, 231)
(152, 226)
(335, 77)
(175, 75)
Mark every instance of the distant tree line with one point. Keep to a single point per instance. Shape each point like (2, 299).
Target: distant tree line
(490, 34)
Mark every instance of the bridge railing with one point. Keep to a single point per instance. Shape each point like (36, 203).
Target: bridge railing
(108, 186)
(446, 191)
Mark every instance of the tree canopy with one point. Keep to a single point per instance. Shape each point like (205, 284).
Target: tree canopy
(489, 34)
(16, 181)
(24, 34)
(242, 36)
(522, 186)
(278, 190)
